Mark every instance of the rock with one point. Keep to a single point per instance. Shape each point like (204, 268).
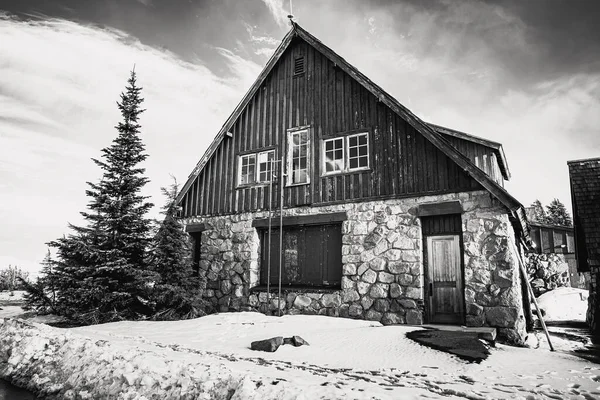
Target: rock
(396, 267)
(355, 310)
(393, 255)
(385, 277)
(475, 320)
(348, 283)
(363, 287)
(269, 345)
(369, 276)
(225, 286)
(404, 243)
(392, 319)
(404, 279)
(503, 317)
(413, 293)
(373, 315)
(381, 305)
(474, 309)
(297, 341)
(379, 291)
(349, 296)
(503, 277)
(414, 317)
(331, 300)
(372, 240)
(377, 264)
(366, 302)
(407, 303)
(349, 269)
(395, 290)
(302, 301)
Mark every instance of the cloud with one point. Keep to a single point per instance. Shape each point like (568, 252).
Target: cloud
(59, 82)
(277, 11)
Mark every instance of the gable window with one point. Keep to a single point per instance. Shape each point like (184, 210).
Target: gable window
(346, 154)
(256, 168)
(298, 157)
(298, 65)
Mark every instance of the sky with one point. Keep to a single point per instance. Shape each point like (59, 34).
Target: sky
(522, 73)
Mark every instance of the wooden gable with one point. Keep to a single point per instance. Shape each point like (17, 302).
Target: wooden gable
(329, 102)
(408, 157)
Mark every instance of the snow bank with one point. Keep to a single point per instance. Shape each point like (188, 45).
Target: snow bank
(14, 296)
(564, 304)
(52, 362)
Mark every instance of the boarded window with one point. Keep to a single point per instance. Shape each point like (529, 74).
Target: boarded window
(312, 256)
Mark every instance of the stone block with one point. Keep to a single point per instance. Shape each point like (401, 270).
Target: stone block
(355, 310)
(349, 269)
(362, 268)
(238, 291)
(474, 309)
(349, 296)
(363, 287)
(393, 255)
(331, 300)
(404, 279)
(373, 315)
(379, 291)
(381, 305)
(385, 277)
(392, 319)
(348, 283)
(475, 320)
(502, 317)
(407, 303)
(369, 276)
(414, 317)
(225, 286)
(377, 264)
(413, 293)
(504, 278)
(381, 247)
(404, 243)
(395, 290)
(366, 302)
(302, 301)
(398, 267)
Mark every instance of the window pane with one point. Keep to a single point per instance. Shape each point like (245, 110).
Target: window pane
(329, 145)
(248, 169)
(334, 155)
(298, 151)
(265, 160)
(358, 151)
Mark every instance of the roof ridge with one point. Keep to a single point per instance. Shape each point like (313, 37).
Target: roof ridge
(583, 160)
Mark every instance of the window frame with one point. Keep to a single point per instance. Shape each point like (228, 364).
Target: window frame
(256, 155)
(346, 154)
(289, 156)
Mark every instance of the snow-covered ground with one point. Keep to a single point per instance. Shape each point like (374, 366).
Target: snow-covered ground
(564, 304)
(14, 296)
(354, 359)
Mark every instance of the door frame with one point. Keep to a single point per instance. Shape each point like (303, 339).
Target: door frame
(428, 283)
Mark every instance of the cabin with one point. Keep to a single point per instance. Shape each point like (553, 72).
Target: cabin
(322, 194)
(585, 194)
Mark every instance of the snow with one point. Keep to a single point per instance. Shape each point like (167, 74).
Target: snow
(564, 304)
(14, 296)
(350, 359)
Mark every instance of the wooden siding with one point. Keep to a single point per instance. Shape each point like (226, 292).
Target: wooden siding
(328, 101)
(482, 156)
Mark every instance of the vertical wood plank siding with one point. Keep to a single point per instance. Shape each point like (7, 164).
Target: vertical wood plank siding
(329, 101)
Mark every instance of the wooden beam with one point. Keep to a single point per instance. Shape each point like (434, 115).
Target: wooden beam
(192, 228)
(449, 207)
(318, 219)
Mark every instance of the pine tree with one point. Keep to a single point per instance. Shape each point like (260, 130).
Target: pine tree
(537, 213)
(177, 290)
(101, 270)
(557, 214)
(41, 294)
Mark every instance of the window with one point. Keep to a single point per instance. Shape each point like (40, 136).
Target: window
(248, 169)
(249, 173)
(298, 158)
(311, 256)
(345, 154)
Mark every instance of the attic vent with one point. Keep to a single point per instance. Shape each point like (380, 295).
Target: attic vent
(299, 66)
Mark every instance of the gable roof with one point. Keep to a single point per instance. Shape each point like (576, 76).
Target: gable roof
(516, 208)
(585, 194)
(497, 147)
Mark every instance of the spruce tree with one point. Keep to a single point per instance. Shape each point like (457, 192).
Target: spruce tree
(101, 268)
(557, 214)
(178, 290)
(538, 214)
(41, 294)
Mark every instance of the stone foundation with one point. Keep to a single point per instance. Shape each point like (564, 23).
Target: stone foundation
(382, 257)
(593, 311)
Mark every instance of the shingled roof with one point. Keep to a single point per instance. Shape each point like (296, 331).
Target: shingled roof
(517, 211)
(585, 194)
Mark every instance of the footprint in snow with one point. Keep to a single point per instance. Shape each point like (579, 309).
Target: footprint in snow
(595, 378)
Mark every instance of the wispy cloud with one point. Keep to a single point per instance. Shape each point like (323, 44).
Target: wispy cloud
(276, 8)
(59, 81)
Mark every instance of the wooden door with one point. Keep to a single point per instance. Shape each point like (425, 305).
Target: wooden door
(445, 280)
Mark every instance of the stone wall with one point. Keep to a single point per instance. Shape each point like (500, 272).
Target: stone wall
(547, 271)
(593, 311)
(382, 256)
